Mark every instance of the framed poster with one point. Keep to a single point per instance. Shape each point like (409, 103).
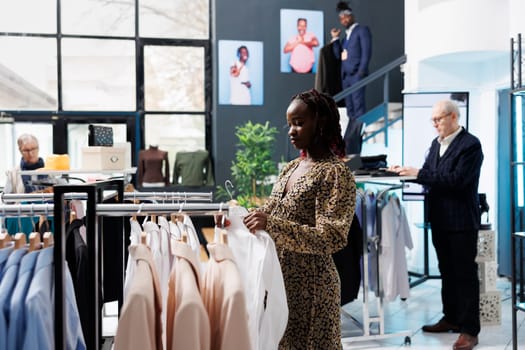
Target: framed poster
(301, 38)
(240, 69)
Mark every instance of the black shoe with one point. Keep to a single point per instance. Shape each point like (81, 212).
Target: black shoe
(441, 326)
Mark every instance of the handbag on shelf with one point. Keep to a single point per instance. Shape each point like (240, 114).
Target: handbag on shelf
(100, 135)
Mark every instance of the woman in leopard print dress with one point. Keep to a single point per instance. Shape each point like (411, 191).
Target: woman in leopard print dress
(308, 215)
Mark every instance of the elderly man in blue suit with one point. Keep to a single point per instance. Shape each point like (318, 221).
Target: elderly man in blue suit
(354, 51)
(450, 174)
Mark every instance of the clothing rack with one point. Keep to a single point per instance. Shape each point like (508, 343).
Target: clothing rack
(157, 196)
(93, 193)
(368, 318)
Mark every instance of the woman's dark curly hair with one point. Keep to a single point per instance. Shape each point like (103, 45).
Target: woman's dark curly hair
(325, 110)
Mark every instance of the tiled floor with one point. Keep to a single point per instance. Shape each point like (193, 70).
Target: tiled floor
(405, 318)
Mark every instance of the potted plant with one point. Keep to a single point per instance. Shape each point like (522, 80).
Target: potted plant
(253, 166)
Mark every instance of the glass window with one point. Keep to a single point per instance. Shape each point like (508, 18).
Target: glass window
(174, 78)
(28, 73)
(174, 133)
(28, 16)
(98, 74)
(88, 17)
(174, 19)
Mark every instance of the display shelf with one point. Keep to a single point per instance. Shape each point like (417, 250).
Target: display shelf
(382, 179)
(132, 170)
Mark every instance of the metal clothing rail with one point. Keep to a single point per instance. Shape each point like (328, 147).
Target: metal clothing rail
(11, 210)
(158, 196)
(94, 193)
(368, 318)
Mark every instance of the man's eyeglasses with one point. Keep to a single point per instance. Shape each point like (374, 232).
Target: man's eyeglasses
(438, 120)
(29, 150)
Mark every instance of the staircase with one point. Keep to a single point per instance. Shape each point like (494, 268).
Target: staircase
(382, 118)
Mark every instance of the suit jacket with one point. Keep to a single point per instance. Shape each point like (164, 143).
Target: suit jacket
(328, 75)
(359, 49)
(452, 183)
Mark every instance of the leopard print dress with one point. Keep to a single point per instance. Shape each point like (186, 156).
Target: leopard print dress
(309, 223)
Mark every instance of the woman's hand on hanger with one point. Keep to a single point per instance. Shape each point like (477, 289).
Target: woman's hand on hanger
(255, 220)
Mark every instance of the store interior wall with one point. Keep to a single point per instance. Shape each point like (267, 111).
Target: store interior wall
(260, 21)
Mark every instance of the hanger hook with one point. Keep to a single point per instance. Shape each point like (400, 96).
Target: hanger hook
(227, 185)
(180, 206)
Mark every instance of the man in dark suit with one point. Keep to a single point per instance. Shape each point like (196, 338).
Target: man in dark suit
(354, 51)
(451, 175)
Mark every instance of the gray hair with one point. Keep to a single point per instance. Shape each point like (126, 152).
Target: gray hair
(449, 106)
(25, 138)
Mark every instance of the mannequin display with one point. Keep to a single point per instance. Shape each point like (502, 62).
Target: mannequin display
(150, 173)
(193, 168)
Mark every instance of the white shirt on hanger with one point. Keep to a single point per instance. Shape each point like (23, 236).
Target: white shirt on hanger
(262, 278)
(395, 236)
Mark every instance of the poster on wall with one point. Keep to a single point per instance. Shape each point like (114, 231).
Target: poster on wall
(240, 69)
(418, 130)
(301, 38)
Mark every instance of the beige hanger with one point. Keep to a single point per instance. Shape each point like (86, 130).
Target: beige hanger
(48, 239)
(20, 240)
(34, 241)
(4, 239)
(143, 238)
(223, 237)
(184, 236)
(72, 216)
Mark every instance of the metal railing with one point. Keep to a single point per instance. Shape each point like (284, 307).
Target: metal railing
(380, 111)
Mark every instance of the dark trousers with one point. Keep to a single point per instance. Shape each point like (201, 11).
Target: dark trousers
(456, 252)
(355, 102)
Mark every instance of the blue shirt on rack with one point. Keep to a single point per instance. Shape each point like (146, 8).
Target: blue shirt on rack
(17, 322)
(4, 254)
(7, 285)
(39, 304)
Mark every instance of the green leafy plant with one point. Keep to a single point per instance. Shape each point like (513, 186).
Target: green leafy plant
(253, 164)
